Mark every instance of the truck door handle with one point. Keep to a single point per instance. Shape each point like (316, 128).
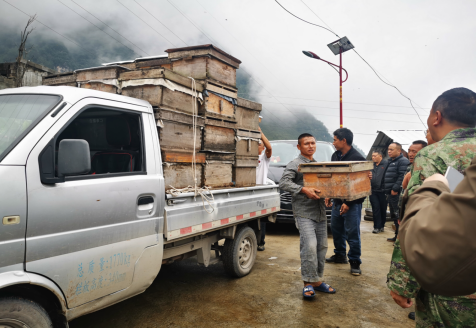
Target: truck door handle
(145, 200)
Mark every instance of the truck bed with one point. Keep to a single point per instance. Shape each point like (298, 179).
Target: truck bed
(186, 216)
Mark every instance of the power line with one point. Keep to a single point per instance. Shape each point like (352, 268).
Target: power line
(146, 23)
(95, 25)
(161, 22)
(36, 20)
(411, 103)
(77, 4)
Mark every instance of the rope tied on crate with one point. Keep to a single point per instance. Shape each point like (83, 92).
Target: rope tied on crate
(195, 189)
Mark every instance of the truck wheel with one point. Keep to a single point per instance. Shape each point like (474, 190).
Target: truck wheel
(239, 254)
(16, 312)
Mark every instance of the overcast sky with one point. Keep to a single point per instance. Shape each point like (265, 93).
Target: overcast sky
(423, 47)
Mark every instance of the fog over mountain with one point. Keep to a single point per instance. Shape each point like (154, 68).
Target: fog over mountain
(423, 47)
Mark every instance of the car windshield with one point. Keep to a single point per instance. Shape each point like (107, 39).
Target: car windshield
(20, 113)
(285, 151)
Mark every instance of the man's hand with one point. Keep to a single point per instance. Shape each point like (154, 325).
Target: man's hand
(394, 193)
(437, 177)
(311, 193)
(328, 202)
(402, 301)
(370, 175)
(344, 209)
(406, 180)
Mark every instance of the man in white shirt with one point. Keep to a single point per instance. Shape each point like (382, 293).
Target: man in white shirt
(262, 175)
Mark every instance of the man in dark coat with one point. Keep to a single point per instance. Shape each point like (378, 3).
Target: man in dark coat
(396, 169)
(378, 198)
(346, 215)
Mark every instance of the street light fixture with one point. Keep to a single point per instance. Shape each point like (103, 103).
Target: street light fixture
(337, 47)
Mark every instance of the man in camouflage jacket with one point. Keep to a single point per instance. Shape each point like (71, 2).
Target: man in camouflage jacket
(452, 124)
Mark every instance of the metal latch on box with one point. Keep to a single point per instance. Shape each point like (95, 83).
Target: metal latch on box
(8, 220)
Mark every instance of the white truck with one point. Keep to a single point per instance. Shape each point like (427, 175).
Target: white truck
(86, 221)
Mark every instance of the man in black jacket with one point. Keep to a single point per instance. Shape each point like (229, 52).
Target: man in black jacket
(346, 215)
(396, 169)
(378, 199)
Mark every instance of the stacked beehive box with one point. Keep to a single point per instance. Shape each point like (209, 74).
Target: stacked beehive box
(225, 134)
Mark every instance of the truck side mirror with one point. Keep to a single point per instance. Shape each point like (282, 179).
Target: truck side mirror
(73, 157)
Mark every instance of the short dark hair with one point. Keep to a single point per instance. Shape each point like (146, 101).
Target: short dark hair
(399, 145)
(378, 152)
(344, 133)
(458, 106)
(420, 142)
(304, 135)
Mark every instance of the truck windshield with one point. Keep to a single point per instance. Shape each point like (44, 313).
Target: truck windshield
(19, 114)
(285, 151)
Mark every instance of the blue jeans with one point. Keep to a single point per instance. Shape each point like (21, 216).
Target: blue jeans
(346, 227)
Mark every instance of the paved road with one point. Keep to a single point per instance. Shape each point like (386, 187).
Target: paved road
(187, 295)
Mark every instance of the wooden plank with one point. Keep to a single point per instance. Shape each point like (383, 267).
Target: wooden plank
(59, 79)
(204, 50)
(216, 138)
(174, 116)
(221, 72)
(153, 73)
(99, 74)
(217, 105)
(329, 167)
(244, 176)
(218, 120)
(178, 136)
(247, 119)
(214, 156)
(248, 134)
(249, 104)
(196, 68)
(175, 156)
(247, 147)
(180, 175)
(185, 81)
(221, 89)
(217, 174)
(348, 186)
(153, 62)
(151, 93)
(100, 87)
(178, 101)
(246, 161)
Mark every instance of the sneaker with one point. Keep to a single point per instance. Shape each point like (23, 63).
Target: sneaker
(337, 259)
(355, 268)
(411, 315)
(261, 248)
(376, 231)
(382, 229)
(392, 240)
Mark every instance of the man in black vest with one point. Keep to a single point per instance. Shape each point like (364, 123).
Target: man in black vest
(346, 215)
(396, 169)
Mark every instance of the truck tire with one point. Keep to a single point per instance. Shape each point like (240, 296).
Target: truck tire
(17, 312)
(239, 254)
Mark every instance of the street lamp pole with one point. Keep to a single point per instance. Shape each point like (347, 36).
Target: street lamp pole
(340, 86)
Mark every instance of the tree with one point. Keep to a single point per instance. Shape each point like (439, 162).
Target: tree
(20, 67)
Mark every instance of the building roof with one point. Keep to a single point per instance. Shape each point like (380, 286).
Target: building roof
(404, 137)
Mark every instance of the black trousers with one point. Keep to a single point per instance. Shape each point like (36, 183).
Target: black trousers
(378, 200)
(262, 233)
(394, 210)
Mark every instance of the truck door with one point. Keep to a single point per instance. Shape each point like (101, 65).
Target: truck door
(86, 232)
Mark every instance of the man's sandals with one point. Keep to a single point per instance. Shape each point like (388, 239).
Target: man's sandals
(323, 287)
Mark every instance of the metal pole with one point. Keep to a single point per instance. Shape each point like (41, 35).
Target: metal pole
(340, 85)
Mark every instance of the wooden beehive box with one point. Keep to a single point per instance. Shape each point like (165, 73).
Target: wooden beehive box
(247, 143)
(218, 137)
(99, 73)
(218, 107)
(244, 176)
(180, 175)
(99, 86)
(217, 174)
(65, 79)
(205, 62)
(247, 114)
(343, 180)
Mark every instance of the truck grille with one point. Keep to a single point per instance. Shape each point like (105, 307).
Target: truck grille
(286, 197)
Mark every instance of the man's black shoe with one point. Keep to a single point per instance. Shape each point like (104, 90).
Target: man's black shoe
(392, 240)
(261, 248)
(355, 268)
(337, 259)
(376, 231)
(411, 315)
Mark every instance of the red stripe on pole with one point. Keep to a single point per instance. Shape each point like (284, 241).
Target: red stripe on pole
(185, 231)
(206, 225)
(252, 214)
(239, 217)
(224, 221)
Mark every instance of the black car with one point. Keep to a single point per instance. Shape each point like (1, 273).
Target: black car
(285, 151)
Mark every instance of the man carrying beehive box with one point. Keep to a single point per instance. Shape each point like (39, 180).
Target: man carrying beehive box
(346, 214)
(310, 215)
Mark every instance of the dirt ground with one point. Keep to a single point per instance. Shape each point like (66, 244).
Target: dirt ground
(187, 295)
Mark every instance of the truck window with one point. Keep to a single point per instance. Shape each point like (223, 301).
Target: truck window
(115, 141)
(19, 113)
